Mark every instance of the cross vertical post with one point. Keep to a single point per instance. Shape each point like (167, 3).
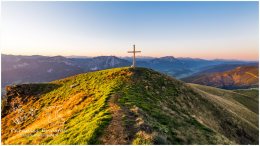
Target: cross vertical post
(134, 56)
(134, 62)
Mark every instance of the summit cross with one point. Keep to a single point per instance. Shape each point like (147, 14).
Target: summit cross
(134, 63)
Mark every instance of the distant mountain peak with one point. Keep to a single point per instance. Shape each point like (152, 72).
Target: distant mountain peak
(168, 57)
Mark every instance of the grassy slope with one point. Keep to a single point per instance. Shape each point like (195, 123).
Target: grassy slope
(157, 110)
(84, 110)
(250, 101)
(161, 105)
(251, 93)
(246, 121)
(183, 116)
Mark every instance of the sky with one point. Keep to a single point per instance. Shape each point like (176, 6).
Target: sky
(208, 30)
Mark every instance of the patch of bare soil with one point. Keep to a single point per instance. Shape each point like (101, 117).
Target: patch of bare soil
(117, 131)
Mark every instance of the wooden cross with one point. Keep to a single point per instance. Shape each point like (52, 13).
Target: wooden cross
(134, 55)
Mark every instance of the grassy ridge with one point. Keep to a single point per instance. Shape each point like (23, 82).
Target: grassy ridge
(162, 103)
(155, 109)
(179, 114)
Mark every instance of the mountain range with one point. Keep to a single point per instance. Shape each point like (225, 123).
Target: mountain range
(128, 106)
(18, 69)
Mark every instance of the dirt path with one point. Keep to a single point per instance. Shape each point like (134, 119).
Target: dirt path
(115, 133)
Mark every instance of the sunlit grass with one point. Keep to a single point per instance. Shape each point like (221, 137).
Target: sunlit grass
(83, 112)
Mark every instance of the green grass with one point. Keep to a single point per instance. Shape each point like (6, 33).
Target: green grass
(163, 111)
(88, 100)
(158, 108)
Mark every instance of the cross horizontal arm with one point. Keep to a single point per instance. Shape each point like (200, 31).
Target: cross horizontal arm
(134, 51)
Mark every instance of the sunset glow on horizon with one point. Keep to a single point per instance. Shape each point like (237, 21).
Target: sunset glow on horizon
(207, 30)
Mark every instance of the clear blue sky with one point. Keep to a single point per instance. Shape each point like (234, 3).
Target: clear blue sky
(208, 30)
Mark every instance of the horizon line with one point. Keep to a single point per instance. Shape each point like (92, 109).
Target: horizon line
(79, 56)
